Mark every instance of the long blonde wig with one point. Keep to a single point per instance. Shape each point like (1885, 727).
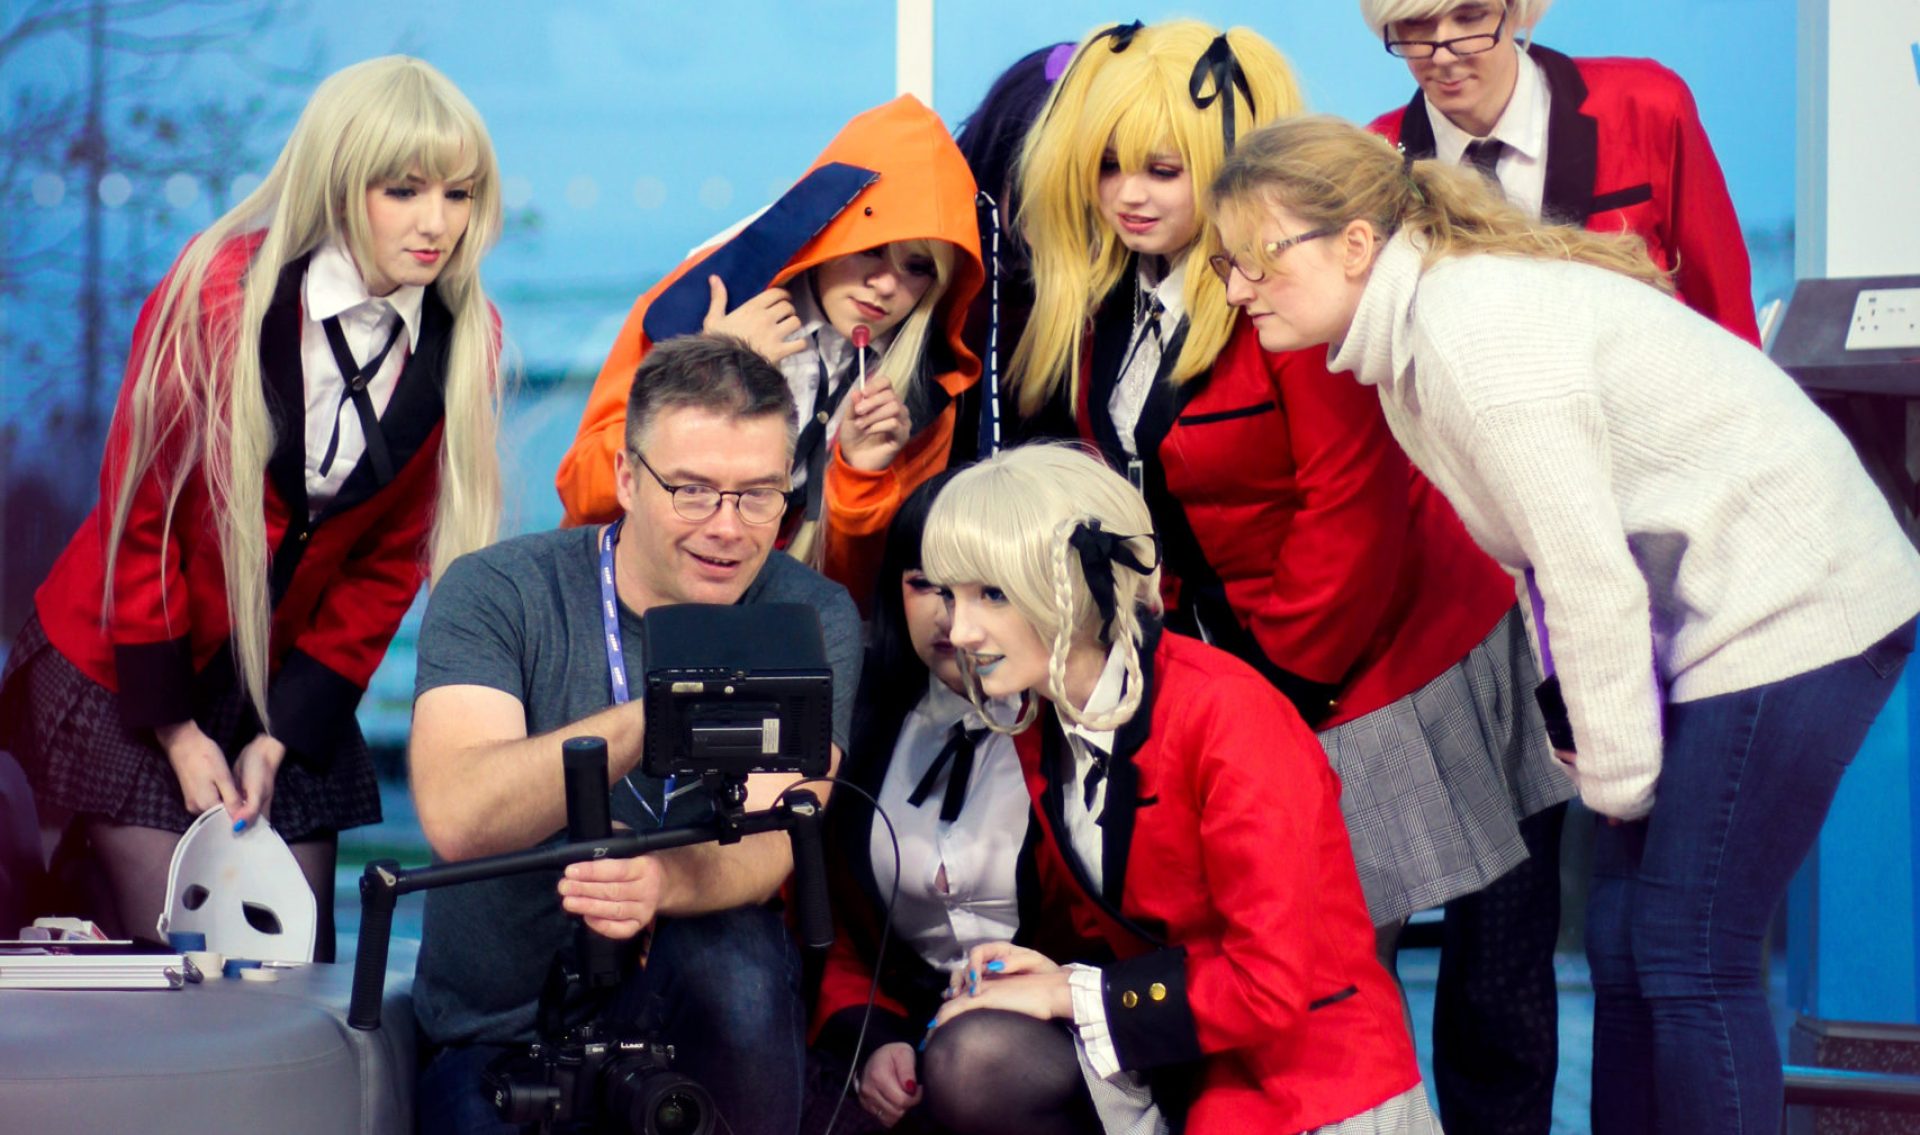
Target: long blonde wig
(1137, 102)
(197, 390)
(1008, 522)
(1327, 171)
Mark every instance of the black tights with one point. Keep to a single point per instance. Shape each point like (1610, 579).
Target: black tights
(990, 1071)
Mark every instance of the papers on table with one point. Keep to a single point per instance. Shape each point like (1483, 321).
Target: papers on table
(91, 969)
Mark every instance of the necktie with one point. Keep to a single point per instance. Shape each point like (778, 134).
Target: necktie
(958, 749)
(1096, 774)
(1484, 155)
(357, 377)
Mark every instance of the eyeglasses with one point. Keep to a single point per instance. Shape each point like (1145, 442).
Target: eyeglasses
(1459, 45)
(698, 502)
(1224, 265)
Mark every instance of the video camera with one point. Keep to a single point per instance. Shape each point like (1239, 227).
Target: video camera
(730, 691)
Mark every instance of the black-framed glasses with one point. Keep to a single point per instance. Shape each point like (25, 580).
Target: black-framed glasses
(1224, 265)
(1459, 45)
(698, 502)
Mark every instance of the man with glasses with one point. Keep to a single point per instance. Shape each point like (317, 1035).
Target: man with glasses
(1608, 145)
(1605, 144)
(519, 651)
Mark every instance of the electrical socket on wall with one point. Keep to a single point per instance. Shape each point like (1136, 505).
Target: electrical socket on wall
(1885, 318)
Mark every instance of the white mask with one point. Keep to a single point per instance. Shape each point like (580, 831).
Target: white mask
(243, 890)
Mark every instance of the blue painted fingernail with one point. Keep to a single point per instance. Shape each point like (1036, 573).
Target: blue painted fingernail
(922, 1046)
(932, 1021)
(996, 966)
(239, 825)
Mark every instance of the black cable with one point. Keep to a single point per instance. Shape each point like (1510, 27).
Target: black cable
(880, 952)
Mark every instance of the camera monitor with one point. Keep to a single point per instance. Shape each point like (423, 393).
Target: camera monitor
(736, 690)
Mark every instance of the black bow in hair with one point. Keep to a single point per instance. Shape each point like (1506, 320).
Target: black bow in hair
(1099, 550)
(1219, 64)
(1121, 35)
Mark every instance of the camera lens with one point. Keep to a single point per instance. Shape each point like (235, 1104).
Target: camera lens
(659, 1102)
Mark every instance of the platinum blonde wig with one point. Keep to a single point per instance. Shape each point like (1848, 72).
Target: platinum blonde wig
(1008, 522)
(1521, 14)
(194, 404)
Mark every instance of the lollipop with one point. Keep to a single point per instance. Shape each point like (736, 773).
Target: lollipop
(862, 335)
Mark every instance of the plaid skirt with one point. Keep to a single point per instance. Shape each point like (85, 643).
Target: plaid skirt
(65, 730)
(1433, 786)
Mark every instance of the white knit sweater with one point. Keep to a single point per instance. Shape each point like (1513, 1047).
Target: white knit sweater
(1695, 524)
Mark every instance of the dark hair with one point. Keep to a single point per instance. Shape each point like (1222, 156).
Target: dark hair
(718, 373)
(893, 671)
(990, 137)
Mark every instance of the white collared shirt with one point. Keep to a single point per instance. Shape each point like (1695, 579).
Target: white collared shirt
(1084, 835)
(1082, 816)
(979, 851)
(1523, 127)
(826, 345)
(333, 287)
(1130, 391)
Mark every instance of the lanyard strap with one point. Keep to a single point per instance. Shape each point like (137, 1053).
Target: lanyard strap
(616, 658)
(357, 377)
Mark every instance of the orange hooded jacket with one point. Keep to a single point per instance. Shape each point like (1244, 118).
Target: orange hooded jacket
(924, 191)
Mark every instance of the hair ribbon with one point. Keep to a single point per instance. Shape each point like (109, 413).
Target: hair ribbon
(1219, 64)
(1099, 550)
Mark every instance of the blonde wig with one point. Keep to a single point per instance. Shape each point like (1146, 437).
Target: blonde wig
(902, 363)
(1008, 522)
(1522, 15)
(197, 388)
(1135, 102)
(1327, 172)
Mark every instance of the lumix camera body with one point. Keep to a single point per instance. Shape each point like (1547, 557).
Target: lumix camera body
(604, 1082)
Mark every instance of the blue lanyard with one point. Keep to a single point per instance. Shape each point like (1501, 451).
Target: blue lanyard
(616, 659)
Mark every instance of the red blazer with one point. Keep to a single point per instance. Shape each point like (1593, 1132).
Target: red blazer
(340, 582)
(1277, 487)
(1626, 153)
(1231, 898)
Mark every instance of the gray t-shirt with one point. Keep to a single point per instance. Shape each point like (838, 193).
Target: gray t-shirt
(523, 616)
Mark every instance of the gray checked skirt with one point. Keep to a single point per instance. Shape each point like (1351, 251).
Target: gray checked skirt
(1433, 786)
(65, 730)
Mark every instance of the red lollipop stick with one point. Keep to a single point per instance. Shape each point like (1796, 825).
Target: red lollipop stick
(862, 335)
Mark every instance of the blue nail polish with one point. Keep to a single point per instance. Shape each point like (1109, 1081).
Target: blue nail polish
(239, 825)
(996, 966)
(922, 1046)
(973, 977)
(932, 1021)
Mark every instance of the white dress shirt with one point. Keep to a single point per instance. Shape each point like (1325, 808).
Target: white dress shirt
(333, 287)
(1130, 392)
(1523, 127)
(979, 851)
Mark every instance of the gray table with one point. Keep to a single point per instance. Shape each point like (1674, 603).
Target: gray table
(222, 1056)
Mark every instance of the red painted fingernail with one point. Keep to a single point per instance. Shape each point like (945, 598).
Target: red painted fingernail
(912, 1087)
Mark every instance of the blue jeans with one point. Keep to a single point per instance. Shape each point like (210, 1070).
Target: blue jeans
(724, 989)
(1678, 913)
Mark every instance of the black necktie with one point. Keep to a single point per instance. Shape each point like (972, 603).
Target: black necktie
(958, 749)
(1096, 774)
(1484, 155)
(357, 377)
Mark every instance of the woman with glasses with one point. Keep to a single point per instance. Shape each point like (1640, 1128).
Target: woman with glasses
(1603, 144)
(1722, 599)
(1298, 536)
(857, 284)
(1611, 145)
